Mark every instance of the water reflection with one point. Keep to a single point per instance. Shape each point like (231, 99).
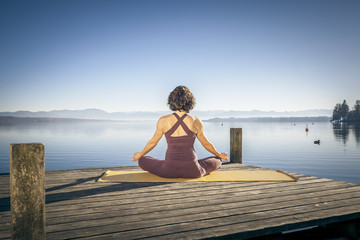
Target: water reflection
(342, 131)
(356, 130)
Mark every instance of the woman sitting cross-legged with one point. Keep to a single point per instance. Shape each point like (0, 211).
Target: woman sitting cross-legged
(180, 131)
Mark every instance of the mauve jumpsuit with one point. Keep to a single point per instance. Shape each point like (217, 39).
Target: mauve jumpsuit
(180, 159)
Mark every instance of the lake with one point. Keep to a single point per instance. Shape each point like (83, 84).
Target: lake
(277, 145)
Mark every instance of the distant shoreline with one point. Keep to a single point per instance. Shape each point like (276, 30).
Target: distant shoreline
(16, 120)
(272, 119)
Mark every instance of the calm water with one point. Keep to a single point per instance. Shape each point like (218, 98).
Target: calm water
(273, 145)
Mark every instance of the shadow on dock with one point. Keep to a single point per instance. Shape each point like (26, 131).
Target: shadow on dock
(70, 195)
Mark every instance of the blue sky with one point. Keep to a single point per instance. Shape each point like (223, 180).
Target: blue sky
(128, 55)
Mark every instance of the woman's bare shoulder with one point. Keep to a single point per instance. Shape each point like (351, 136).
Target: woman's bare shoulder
(196, 123)
(166, 119)
(192, 117)
(163, 118)
(196, 119)
(163, 122)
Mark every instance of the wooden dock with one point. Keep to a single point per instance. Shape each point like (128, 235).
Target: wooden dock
(78, 207)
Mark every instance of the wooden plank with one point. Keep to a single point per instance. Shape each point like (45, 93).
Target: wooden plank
(171, 191)
(5, 223)
(240, 201)
(132, 230)
(181, 197)
(325, 193)
(5, 235)
(164, 217)
(129, 204)
(118, 204)
(271, 226)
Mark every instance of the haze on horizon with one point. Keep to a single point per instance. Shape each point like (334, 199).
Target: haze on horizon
(128, 55)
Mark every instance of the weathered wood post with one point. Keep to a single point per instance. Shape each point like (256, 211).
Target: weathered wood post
(27, 191)
(236, 145)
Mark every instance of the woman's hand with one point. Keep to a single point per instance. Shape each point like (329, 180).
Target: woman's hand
(137, 156)
(224, 156)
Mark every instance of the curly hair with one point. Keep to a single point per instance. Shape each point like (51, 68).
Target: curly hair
(181, 99)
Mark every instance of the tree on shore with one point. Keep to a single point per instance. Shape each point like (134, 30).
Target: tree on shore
(355, 114)
(341, 112)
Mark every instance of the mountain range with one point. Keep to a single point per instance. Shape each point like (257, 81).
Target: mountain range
(141, 115)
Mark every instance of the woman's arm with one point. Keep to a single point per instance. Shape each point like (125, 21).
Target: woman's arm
(153, 141)
(205, 142)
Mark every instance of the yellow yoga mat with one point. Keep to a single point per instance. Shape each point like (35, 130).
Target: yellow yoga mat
(217, 176)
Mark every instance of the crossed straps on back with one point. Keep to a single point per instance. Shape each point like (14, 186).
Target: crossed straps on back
(176, 125)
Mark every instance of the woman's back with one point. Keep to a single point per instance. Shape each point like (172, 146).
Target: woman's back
(180, 147)
(168, 121)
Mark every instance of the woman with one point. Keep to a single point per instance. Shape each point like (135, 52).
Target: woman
(180, 131)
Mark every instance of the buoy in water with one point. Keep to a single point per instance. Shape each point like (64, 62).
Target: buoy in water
(306, 129)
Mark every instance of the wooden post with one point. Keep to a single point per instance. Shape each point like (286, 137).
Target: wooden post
(27, 191)
(236, 145)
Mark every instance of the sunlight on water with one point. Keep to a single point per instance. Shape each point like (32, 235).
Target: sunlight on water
(274, 145)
